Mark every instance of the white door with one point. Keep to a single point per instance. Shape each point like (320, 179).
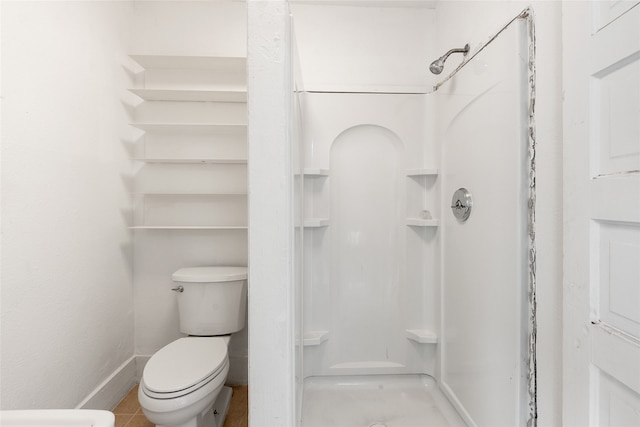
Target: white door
(601, 47)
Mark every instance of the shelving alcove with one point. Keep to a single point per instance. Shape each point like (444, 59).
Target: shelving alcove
(192, 130)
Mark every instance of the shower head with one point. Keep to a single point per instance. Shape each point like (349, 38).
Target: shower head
(437, 66)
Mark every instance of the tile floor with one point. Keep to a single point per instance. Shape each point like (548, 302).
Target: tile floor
(129, 414)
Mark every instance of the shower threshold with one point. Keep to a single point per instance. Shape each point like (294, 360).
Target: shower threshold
(376, 401)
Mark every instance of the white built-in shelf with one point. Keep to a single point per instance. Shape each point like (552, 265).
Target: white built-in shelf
(221, 79)
(191, 193)
(205, 128)
(212, 160)
(214, 63)
(188, 227)
(191, 95)
(422, 172)
(315, 337)
(316, 222)
(422, 336)
(419, 222)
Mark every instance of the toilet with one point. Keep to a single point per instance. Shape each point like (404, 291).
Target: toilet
(183, 383)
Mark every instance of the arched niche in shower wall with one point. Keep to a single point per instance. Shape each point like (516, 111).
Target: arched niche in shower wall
(366, 241)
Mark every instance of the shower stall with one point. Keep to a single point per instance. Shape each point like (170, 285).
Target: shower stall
(414, 215)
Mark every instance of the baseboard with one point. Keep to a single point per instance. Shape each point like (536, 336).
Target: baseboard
(108, 394)
(112, 390)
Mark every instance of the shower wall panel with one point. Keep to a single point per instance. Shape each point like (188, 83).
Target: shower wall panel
(368, 275)
(484, 354)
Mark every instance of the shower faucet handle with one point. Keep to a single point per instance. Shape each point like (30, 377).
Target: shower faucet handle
(461, 204)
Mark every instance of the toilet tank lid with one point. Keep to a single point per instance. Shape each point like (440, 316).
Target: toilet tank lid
(210, 274)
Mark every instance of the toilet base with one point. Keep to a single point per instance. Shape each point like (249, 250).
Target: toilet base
(213, 416)
(221, 406)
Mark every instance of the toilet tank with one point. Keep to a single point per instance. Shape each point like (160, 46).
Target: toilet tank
(213, 300)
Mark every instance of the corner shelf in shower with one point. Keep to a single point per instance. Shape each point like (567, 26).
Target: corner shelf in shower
(238, 96)
(422, 336)
(315, 337)
(316, 222)
(422, 172)
(315, 172)
(419, 222)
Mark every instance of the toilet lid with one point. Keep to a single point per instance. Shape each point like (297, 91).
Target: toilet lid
(184, 363)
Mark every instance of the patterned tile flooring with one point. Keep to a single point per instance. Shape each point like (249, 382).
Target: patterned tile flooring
(129, 414)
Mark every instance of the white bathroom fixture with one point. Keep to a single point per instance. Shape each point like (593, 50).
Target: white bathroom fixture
(183, 383)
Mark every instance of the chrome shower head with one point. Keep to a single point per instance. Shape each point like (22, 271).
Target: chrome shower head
(437, 66)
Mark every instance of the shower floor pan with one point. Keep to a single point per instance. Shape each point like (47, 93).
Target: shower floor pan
(376, 401)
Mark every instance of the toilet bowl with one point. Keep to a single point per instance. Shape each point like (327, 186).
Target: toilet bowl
(183, 383)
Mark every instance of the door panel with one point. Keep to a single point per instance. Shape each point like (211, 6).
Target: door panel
(617, 259)
(602, 213)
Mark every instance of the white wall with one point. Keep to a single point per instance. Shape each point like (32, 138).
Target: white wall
(474, 22)
(67, 297)
(183, 27)
(198, 28)
(355, 48)
(272, 364)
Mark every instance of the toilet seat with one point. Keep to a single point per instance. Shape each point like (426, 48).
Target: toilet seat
(183, 366)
